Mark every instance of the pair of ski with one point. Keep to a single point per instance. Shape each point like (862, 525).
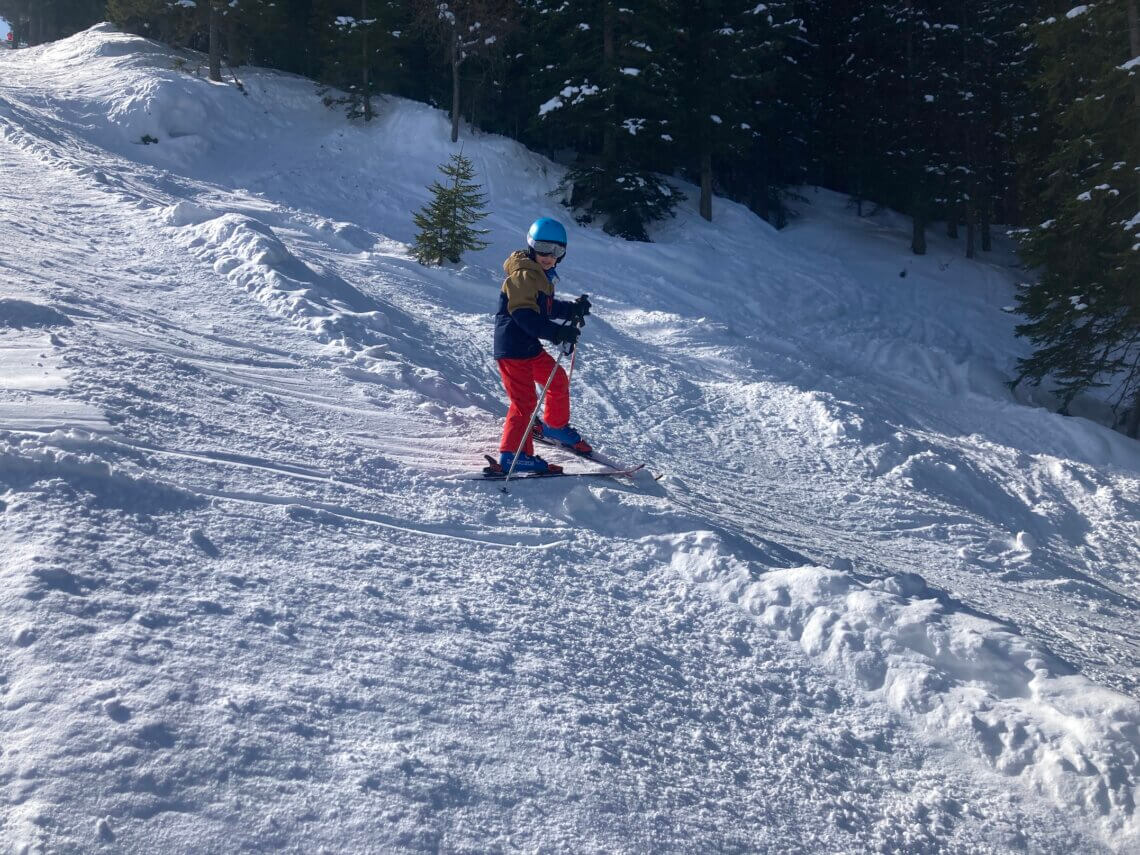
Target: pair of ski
(494, 472)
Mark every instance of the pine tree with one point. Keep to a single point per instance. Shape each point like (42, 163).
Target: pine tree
(861, 118)
(979, 104)
(775, 75)
(278, 34)
(200, 26)
(918, 104)
(733, 81)
(1006, 34)
(465, 30)
(1083, 164)
(154, 19)
(445, 223)
(912, 84)
(37, 21)
(358, 45)
(608, 98)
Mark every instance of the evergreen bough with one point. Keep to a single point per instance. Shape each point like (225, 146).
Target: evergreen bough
(1083, 312)
(625, 200)
(446, 223)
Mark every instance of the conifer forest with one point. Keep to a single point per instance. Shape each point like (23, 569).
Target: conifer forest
(976, 117)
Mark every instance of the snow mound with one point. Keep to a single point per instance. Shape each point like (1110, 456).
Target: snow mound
(20, 314)
(349, 236)
(102, 41)
(186, 213)
(962, 676)
(249, 253)
(155, 104)
(29, 462)
(167, 115)
(253, 257)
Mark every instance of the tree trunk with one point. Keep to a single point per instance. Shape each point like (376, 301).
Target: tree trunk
(857, 173)
(215, 42)
(695, 25)
(366, 78)
(918, 201)
(969, 130)
(706, 183)
(455, 61)
(918, 234)
(971, 228)
(760, 195)
(952, 225)
(1132, 423)
(609, 134)
(990, 180)
(48, 17)
(35, 26)
(1134, 43)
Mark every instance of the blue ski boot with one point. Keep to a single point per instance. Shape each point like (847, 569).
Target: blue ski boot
(566, 436)
(527, 464)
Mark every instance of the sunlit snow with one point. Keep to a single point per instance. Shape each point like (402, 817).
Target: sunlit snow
(254, 601)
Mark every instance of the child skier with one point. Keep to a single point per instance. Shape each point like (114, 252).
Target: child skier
(527, 313)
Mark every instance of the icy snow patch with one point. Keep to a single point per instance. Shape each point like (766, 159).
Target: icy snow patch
(33, 378)
(28, 364)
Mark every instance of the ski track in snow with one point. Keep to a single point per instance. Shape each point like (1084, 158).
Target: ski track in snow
(874, 603)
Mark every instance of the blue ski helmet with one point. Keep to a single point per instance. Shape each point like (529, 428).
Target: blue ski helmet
(548, 236)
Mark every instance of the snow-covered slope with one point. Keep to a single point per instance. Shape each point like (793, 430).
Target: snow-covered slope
(874, 603)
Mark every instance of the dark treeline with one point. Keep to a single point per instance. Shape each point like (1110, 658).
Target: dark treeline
(963, 114)
(904, 104)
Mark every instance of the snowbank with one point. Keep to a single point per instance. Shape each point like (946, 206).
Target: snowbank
(964, 677)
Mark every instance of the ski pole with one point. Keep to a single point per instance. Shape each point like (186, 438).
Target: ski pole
(566, 348)
(570, 372)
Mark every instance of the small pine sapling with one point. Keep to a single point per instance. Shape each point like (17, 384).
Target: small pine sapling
(446, 224)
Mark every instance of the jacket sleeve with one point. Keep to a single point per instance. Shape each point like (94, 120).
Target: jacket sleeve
(562, 309)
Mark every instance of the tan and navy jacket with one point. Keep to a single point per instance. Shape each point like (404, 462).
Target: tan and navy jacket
(527, 308)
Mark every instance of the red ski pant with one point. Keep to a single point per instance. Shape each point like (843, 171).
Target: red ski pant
(520, 376)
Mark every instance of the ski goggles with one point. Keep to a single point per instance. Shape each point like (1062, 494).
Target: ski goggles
(548, 247)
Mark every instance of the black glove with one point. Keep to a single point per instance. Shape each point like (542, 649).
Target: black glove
(566, 334)
(580, 310)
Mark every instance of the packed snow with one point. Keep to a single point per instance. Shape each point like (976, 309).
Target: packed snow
(864, 598)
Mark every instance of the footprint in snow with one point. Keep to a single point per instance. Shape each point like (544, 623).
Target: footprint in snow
(204, 543)
(24, 636)
(116, 711)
